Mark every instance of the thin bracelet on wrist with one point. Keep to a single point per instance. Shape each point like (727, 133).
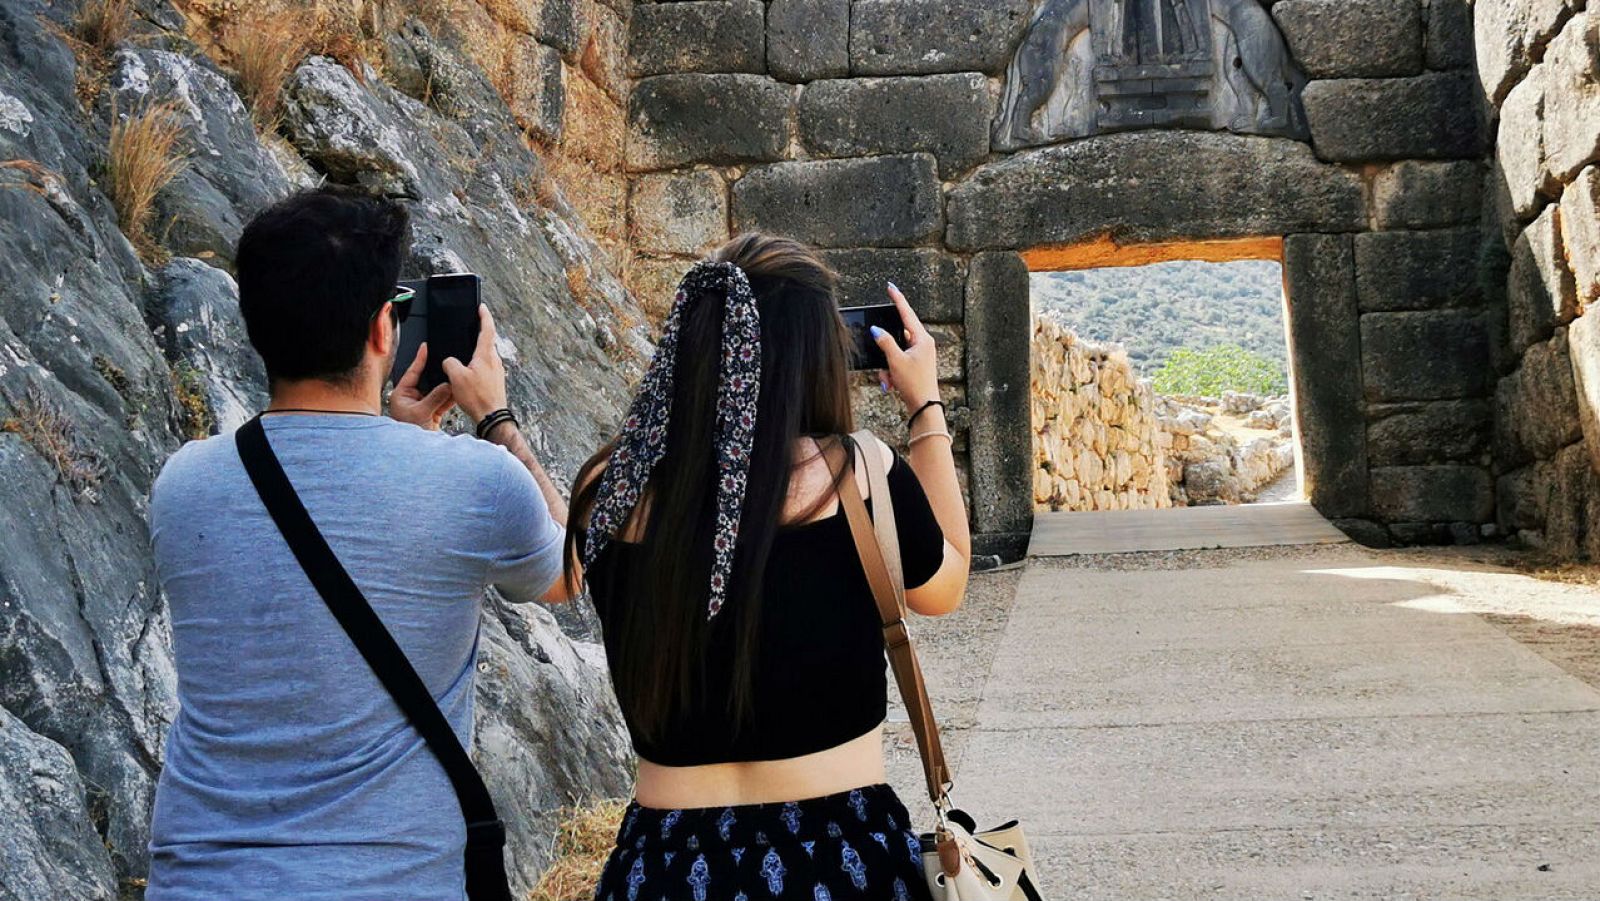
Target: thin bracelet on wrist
(923, 409)
(931, 433)
(488, 423)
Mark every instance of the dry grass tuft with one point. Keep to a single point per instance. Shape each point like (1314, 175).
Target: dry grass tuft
(264, 49)
(583, 841)
(52, 436)
(101, 25)
(143, 158)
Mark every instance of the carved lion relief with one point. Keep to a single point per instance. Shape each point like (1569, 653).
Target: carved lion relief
(1090, 66)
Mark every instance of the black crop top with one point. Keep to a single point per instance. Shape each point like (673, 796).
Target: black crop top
(819, 677)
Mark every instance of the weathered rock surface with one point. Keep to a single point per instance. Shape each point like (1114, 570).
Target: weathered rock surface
(1353, 38)
(1540, 291)
(106, 365)
(934, 282)
(1449, 34)
(678, 119)
(919, 37)
(1507, 33)
(945, 115)
(1520, 154)
(697, 36)
(1438, 355)
(1075, 191)
(1572, 96)
(1580, 233)
(1583, 340)
(808, 39)
(1436, 432)
(1427, 194)
(1417, 270)
(1406, 494)
(892, 201)
(678, 212)
(1431, 116)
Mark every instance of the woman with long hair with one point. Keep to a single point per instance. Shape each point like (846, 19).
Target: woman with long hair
(744, 643)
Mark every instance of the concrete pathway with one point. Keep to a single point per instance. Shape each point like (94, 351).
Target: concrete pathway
(1181, 528)
(1294, 723)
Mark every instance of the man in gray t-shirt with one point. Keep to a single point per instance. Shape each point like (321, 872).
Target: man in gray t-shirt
(290, 773)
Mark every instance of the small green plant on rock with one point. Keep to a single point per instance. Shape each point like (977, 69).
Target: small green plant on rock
(1222, 367)
(195, 420)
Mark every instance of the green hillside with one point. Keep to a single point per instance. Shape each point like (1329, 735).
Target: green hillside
(1154, 310)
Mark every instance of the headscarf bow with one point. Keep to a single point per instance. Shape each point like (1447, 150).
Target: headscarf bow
(643, 439)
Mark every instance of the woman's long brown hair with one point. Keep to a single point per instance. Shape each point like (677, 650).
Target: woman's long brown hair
(664, 632)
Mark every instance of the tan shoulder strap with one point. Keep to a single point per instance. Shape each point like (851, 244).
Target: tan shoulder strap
(888, 591)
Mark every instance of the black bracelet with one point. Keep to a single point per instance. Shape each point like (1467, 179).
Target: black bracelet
(920, 410)
(488, 423)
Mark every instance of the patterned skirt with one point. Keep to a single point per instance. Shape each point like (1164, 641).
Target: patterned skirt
(852, 846)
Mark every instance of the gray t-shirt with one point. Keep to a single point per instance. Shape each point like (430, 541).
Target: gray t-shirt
(290, 774)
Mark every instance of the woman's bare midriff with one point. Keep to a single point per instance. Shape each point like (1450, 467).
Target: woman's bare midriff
(856, 763)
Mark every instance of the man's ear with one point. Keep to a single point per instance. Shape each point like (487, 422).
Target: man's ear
(383, 333)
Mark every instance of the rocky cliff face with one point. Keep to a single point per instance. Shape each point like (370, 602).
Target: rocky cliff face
(110, 357)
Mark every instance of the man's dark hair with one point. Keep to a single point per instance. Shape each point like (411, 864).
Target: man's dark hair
(313, 269)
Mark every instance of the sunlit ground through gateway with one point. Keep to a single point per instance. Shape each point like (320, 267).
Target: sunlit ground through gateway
(1162, 385)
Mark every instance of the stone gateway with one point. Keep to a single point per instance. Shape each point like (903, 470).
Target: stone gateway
(1425, 248)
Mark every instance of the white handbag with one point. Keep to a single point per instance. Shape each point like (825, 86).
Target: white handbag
(962, 863)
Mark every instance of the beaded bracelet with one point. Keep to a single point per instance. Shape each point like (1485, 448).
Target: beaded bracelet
(488, 423)
(922, 409)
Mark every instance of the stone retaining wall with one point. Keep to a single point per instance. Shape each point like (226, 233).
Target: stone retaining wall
(1539, 67)
(868, 127)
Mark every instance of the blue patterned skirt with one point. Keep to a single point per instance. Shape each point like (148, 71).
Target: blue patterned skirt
(852, 846)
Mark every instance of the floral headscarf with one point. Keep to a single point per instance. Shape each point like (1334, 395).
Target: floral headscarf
(643, 440)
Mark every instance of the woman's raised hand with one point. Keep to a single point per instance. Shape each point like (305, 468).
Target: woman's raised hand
(914, 371)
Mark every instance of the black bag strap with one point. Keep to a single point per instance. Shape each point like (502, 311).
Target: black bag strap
(486, 834)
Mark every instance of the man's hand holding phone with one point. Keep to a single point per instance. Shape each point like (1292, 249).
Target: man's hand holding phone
(479, 386)
(407, 403)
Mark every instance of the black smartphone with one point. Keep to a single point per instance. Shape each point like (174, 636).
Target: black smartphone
(445, 314)
(865, 353)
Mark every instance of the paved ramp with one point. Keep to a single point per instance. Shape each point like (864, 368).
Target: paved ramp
(1305, 725)
(1181, 528)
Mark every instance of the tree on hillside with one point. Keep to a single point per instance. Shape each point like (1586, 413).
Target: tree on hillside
(1218, 368)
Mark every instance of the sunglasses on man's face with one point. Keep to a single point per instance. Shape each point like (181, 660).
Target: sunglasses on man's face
(402, 303)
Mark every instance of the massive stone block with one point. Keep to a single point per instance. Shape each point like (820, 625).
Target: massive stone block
(1353, 38)
(886, 201)
(697, 36)
(1152, 186)
(1572, 96)
(1505, 33)
(1572, 506)
(1448, 493)
(1547, 415)
(1417, 270)
(1519, 148)
(1583, 345)
(1580, 233)
(1448, 40)
(1392, 119)
(1429, 432)
(1427, 194)
(933, 281)
(808, 39)
(916, 37)
(999, 383)
(1434, 355)
(1431, 116)
(678, 119)
(1540, 291)
(946, 115)
(678, 212)
(1325, 339)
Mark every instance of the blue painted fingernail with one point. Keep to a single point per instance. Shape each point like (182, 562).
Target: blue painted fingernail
(878, 332)
(893, 287)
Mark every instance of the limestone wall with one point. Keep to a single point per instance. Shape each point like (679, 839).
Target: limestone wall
(1539, 67)
(1097, 442)
(886, 131)
(1103, 440)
